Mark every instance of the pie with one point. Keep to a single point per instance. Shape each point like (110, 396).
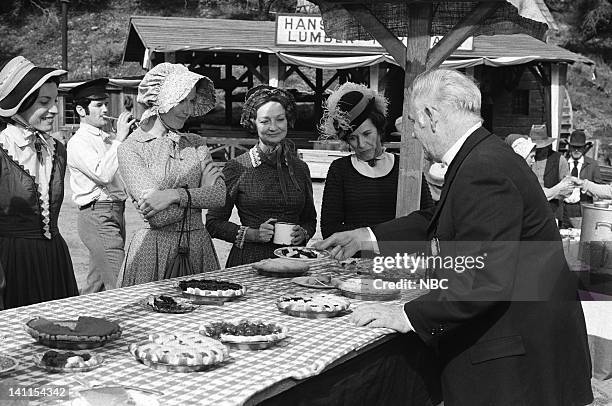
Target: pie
(191, 349)
(85, 329)
(300, 253)
(366, 286)
(211, 287)
(317, 304)
(69, 360)
(244, 331)
(278, 266)
(169, 304)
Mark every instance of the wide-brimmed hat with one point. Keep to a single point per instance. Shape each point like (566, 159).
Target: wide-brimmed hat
(348, 107)
(578, 139)
(167, 84)
(540, 137)
(19, 78)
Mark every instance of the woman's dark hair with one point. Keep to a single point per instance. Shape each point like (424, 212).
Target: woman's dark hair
(29, 101)
(378, 119)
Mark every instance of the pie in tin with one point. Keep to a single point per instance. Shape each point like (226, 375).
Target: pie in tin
(244, 331)
(85, 332)
(190, 349)
(211, 288)
(316, 304)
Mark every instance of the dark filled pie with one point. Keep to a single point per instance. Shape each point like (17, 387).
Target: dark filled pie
(244, 331)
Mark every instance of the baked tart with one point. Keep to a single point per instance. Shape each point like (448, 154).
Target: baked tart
(368, 289)
(210, 289)
(245, 334)
(83, 333)
(180, 352)
(319, 306)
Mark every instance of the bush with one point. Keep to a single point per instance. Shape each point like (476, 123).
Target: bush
(107, 53)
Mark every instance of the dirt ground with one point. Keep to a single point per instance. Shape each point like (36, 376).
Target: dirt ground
(80, 255)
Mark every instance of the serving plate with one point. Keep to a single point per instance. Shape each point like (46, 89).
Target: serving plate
(363, 289)
(255, 345)
(7, 364)
(116, 395)
(37, 358)
(314, 315)
(315, 282)
(301, 253)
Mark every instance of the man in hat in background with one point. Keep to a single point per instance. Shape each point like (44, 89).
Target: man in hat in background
(96, 184)
(582, 167)
(550, 168)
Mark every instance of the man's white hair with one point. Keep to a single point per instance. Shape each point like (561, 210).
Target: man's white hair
(447, 90)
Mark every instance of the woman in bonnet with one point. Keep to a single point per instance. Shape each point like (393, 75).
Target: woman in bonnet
(165, 170)
(33, 254)
(267, 184)
(361, 188)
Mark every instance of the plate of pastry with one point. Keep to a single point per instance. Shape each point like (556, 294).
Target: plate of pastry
(281, 267)
(368, 289)
(80, 334)
(168, 304)
(244, 334)
(68, 361)
(188, 352)
(7, 364)
(301, 253)
(210, 291)
(313, 307)
(316, 282)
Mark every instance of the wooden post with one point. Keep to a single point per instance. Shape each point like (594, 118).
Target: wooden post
(411, 152)
(318, 107)
(273, 70)
(555, 108)
(374, 72)
(228, 93)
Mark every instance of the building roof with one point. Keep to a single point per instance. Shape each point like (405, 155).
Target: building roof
(175, 34)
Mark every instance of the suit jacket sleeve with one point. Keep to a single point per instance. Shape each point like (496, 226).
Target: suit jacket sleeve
(486, 219)
(406, 234)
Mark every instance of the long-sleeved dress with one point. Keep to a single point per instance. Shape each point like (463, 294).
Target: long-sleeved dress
(168, 162)
(253, 186)
(352, 200)
(33, 254)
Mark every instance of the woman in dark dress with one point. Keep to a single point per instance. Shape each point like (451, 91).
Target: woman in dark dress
(267, 184)
(360, 189)
(33, 254)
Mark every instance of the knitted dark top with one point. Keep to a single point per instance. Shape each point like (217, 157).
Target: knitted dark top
(352, 200)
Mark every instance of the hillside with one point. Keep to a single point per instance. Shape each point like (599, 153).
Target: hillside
(98, 28)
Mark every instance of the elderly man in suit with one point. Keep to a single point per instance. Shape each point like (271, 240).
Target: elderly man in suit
(509, 329)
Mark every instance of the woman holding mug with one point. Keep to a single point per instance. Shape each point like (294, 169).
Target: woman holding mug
(33, 254)
(168, 174)
(268, 184)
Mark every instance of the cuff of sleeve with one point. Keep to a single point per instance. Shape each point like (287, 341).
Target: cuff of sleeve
(375, 247)
(183, 199)
(241, 236)
(406, 319)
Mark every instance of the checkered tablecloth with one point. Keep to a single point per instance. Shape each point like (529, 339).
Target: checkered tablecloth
(314, 343)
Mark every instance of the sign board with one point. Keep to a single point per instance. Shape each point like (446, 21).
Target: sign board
(307, 29)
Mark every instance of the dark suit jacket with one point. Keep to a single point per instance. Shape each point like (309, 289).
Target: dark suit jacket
(511, 332)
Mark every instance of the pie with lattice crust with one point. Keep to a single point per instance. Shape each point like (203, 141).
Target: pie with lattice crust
(191, 349)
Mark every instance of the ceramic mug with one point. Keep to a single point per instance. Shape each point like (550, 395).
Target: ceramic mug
(282, 233)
